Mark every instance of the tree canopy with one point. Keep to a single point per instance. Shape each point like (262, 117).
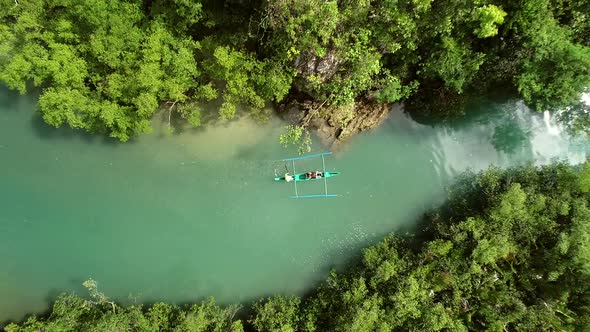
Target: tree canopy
(107, 66)
(508, 251)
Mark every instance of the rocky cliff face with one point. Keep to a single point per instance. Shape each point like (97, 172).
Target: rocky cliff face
(333, 125)
(321, 69)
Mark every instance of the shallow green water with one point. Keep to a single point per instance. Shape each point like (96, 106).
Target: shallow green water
(197, 214)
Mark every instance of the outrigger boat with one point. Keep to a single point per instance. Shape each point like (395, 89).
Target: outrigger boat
(306, 176)
(318, 175)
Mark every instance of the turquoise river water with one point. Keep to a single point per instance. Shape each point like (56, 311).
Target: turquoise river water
(196, 214)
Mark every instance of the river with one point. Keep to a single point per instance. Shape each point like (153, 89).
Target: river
(195, 214)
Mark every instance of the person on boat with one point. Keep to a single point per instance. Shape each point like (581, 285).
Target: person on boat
(310, 175)
(288, 177)
(318, 174)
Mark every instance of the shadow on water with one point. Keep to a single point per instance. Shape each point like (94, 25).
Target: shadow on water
(507, 121)
(10, 100)
(510, 136)
(431, 109)
(49, 300)
(47, 132)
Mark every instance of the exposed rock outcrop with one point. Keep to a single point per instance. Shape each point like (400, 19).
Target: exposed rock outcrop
(321, 69)
(335, 125)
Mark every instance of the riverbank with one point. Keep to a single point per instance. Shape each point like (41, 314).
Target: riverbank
(335, 125)
(345, 56)
(501, 252)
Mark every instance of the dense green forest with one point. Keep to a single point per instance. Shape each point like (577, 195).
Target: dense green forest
(508, 251)
(108, 65)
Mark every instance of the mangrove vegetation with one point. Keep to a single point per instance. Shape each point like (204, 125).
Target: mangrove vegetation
(109, 66)
(508, 251)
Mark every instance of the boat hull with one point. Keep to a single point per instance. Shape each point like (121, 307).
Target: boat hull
(303, 177)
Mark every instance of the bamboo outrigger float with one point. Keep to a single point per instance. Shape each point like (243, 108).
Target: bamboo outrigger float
(309, 176)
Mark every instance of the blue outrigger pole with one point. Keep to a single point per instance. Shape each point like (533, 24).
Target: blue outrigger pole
(324, 170)
(307, 157)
